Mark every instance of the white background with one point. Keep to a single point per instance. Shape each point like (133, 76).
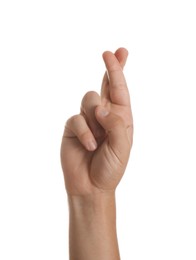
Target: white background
(50, 55)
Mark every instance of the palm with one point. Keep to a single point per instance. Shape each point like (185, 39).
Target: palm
(86, 171)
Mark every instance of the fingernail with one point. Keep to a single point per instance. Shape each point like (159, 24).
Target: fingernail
(103, 112)
(91, 145)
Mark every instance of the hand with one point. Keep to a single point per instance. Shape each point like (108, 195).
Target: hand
(96, 143)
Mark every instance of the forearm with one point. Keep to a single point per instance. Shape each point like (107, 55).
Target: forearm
(92, 230)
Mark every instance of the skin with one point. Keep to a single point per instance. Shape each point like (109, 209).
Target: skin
(94, 153)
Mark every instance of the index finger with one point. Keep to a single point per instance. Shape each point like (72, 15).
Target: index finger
(121, 55)
(119, 93)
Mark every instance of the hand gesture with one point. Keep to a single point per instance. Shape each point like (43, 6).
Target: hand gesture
(96, 143)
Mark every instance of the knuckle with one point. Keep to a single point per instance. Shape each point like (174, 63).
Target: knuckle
(73, 120)
(89, 99)
(89, 95)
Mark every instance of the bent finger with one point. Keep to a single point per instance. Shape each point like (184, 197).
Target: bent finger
(77, 127)
(89, 102)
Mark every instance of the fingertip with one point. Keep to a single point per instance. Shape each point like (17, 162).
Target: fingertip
(102, 111)
(91, 145)
(106, 54)
(122, 50)
(122, 55)
(113, 60)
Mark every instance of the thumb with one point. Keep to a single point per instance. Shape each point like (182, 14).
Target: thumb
(116, 131)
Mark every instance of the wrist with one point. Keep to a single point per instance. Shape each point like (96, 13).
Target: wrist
(95, 200)
(94, 217)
